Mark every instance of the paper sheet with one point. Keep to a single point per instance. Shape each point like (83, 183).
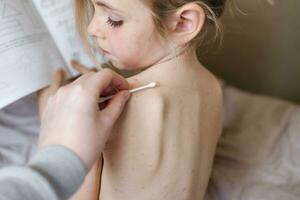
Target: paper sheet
(59, 18)
(28, 55)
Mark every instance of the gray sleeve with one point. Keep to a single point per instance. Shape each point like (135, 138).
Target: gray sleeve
(54, 173)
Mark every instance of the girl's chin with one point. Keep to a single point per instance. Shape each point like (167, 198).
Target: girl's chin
(124, 66)
(121, 66)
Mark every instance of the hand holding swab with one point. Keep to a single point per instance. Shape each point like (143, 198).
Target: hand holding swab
(150, 85)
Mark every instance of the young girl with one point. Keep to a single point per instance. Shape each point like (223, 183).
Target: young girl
(164, 143)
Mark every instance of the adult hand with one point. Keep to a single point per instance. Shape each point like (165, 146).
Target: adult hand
(57, 82)
(72, 117)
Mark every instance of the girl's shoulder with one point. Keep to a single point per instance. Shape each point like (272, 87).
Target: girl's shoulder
(172, 85)
(152, 97)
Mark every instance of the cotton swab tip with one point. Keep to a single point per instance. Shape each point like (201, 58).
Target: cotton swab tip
(153, 84)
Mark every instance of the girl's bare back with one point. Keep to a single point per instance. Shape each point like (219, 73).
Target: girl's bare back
(163, 145)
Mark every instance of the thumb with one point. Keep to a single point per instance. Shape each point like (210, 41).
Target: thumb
(115, 107)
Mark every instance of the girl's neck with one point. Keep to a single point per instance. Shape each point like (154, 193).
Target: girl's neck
(181, 71)
(183, 59)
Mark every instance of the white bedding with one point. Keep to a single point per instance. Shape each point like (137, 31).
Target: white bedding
(19, 128)
(257, 157)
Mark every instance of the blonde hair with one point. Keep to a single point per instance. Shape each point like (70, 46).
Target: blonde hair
(84, 12)
(161, 10)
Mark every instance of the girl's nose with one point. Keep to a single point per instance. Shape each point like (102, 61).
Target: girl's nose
(94, 29)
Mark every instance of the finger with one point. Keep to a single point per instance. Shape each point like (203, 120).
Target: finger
(81, 68)
(57, 80)
(109, 91)
(99, 81)
(115, 107)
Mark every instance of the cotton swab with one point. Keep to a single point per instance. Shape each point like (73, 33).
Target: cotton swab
(150, 85)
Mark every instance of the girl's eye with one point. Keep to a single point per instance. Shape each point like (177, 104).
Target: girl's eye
(114, 23)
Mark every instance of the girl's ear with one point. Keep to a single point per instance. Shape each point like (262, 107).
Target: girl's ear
(186, 23)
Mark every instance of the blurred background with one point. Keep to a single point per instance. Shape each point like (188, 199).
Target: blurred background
(261, 48)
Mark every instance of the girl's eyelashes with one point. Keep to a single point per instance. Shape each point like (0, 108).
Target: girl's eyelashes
(114, 24)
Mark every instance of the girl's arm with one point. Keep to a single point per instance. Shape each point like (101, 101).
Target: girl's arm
(91, 186)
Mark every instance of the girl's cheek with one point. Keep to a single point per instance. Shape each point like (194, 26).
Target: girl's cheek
(118, 47)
